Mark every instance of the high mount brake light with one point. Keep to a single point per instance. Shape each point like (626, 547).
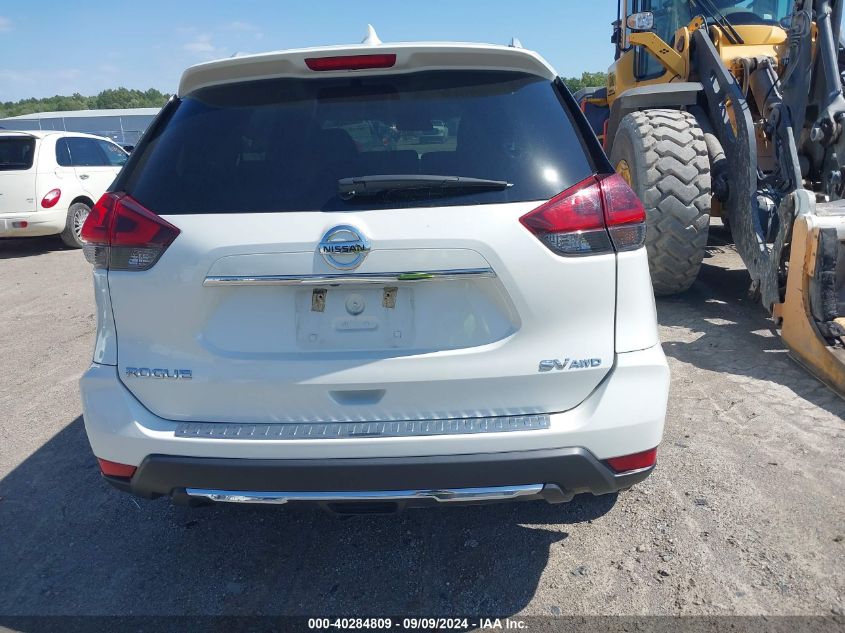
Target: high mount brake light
(351, 62)
(598, 215)
(120, 234)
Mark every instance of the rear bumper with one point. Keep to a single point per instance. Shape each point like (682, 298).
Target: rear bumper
(44, 222)
(551, 474)
(624, 415)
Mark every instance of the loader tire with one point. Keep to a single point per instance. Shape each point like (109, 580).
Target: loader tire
(665, 157)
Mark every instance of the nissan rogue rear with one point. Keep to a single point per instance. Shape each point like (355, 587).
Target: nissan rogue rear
(301, 298)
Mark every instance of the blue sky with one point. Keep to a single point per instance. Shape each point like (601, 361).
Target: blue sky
(61, 47)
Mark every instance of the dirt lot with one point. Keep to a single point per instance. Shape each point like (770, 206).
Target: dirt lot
(744, 514)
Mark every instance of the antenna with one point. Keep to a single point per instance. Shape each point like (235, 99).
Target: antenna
(515, 43)
(372, 37)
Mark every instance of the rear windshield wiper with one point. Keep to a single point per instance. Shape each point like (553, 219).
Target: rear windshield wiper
(720, 19)
(368, 186)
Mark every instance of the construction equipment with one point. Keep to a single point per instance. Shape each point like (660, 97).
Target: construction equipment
(736, 109)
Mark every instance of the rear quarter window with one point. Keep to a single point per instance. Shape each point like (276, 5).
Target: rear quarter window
(16, 154)
(78, 151)
(283, 144)
(115, 156)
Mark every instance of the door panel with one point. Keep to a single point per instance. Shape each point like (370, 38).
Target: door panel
(92, 164)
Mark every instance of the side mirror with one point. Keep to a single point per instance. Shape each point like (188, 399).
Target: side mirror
(617, 31)
(642, 21)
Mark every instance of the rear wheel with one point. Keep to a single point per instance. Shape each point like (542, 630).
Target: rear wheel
(76, 216)
(663, 156)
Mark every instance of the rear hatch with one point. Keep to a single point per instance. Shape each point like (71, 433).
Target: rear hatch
(286, 296)
(17, 174)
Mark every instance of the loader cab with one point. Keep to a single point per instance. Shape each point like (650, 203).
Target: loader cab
(636, 61)
(635, 64)
(668, 17)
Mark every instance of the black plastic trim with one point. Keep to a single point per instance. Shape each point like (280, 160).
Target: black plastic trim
(572, 470)
(586, 134)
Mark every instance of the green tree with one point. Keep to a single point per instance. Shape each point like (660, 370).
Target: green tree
(587, 80)
(108, 99)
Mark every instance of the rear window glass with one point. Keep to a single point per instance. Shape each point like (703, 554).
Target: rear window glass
(282, 145)
(16, 153)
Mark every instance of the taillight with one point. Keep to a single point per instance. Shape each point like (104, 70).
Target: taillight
(636, 461)
(571, 223)
(51, 198)
(624, 213)
(120, 234)
(351, 62)
(595, 216)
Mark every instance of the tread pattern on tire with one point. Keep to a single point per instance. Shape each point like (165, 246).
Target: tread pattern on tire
(68, 236)
(671, 174)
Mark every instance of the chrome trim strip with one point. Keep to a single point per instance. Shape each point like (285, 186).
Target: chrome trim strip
(333, 279)
(352, 430)
(446, 495)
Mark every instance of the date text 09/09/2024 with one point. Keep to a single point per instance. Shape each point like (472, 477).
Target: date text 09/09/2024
(417, 623)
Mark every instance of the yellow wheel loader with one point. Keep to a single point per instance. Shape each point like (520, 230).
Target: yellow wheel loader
(736, 109)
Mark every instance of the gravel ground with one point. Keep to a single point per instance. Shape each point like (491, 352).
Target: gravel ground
(744, 514)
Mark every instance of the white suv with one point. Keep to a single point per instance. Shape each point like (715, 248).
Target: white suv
(296, 305)
(50, 180)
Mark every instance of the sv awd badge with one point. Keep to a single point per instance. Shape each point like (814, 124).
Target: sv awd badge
(146, 372)
(578, 363)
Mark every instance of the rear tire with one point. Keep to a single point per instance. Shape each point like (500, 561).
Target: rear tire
(76, 215)
(665, 156)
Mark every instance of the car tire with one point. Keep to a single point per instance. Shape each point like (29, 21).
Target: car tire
(76, 215)
(663, 156)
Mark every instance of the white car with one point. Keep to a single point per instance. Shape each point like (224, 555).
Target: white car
(286, 317)
(50, 180)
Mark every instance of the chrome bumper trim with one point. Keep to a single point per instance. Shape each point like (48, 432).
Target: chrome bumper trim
(351, 430)
(334, 279)
(498, 493)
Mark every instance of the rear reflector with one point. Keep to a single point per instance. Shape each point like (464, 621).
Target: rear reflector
(51, 198)
(595, 216)
(120, 234)
(113, 469)
(351, 62)
(637, 461)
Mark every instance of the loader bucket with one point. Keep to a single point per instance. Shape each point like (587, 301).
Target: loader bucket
(813, 312)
